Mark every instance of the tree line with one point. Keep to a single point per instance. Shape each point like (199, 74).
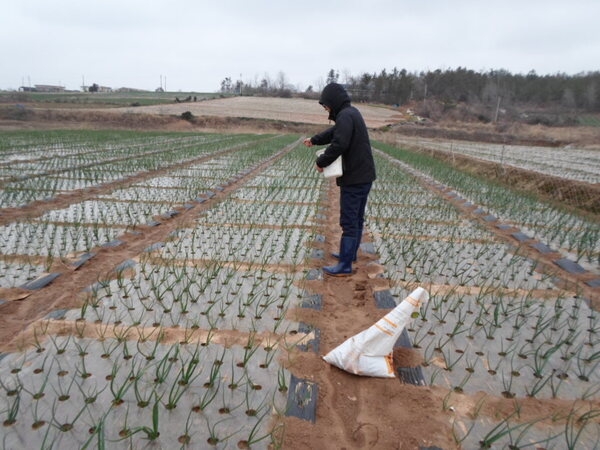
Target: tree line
(496, 90)
(581, 91)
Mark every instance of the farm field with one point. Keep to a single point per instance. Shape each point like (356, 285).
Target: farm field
(580, 164)
(128, 106)
(272, 108)
(163, 290)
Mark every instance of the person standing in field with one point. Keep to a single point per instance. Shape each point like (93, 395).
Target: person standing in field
(350, 139)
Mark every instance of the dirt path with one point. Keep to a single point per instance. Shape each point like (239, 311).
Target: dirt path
(352, 411)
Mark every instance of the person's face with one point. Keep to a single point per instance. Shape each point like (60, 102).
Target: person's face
(327, 108)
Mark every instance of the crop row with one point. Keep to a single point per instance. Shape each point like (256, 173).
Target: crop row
(484, 294)
(75, 392)
(193, 295)
(111, 159)
(496, 320)
(117, 380)
(573, 235)
(571, 163)
(78, 228)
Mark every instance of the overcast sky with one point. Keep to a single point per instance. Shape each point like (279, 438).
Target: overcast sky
(192, 45)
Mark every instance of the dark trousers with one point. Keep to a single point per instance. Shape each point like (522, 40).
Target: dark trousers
(353, 201)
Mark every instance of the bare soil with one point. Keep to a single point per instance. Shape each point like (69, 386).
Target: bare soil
(295, 110)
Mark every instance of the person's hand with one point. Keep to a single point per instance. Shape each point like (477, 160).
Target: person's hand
(319, 169)
(308, 142)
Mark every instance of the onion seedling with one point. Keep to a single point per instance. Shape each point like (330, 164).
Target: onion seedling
(13, 407)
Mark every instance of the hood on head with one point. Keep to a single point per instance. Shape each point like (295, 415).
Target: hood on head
(335, 97)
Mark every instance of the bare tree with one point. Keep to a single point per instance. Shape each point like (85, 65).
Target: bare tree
(281, 80)
(347, 76)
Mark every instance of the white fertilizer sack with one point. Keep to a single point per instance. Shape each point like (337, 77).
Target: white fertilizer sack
(334, 169)
(369, 353)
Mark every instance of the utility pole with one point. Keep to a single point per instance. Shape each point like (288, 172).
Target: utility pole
(497, 109)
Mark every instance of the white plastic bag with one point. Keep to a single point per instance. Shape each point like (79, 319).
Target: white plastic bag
(334, 169)
(369, 353)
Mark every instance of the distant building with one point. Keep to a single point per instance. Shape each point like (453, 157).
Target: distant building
(42, 88)
(128, 89)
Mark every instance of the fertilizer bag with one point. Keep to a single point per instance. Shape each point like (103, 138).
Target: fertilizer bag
(369, 353)
(334, 169)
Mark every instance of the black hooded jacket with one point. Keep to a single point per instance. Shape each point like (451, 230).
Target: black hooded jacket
(348, 137)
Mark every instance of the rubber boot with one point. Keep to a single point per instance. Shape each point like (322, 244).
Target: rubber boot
(337, 255)
(357, 246)
(347, 252)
